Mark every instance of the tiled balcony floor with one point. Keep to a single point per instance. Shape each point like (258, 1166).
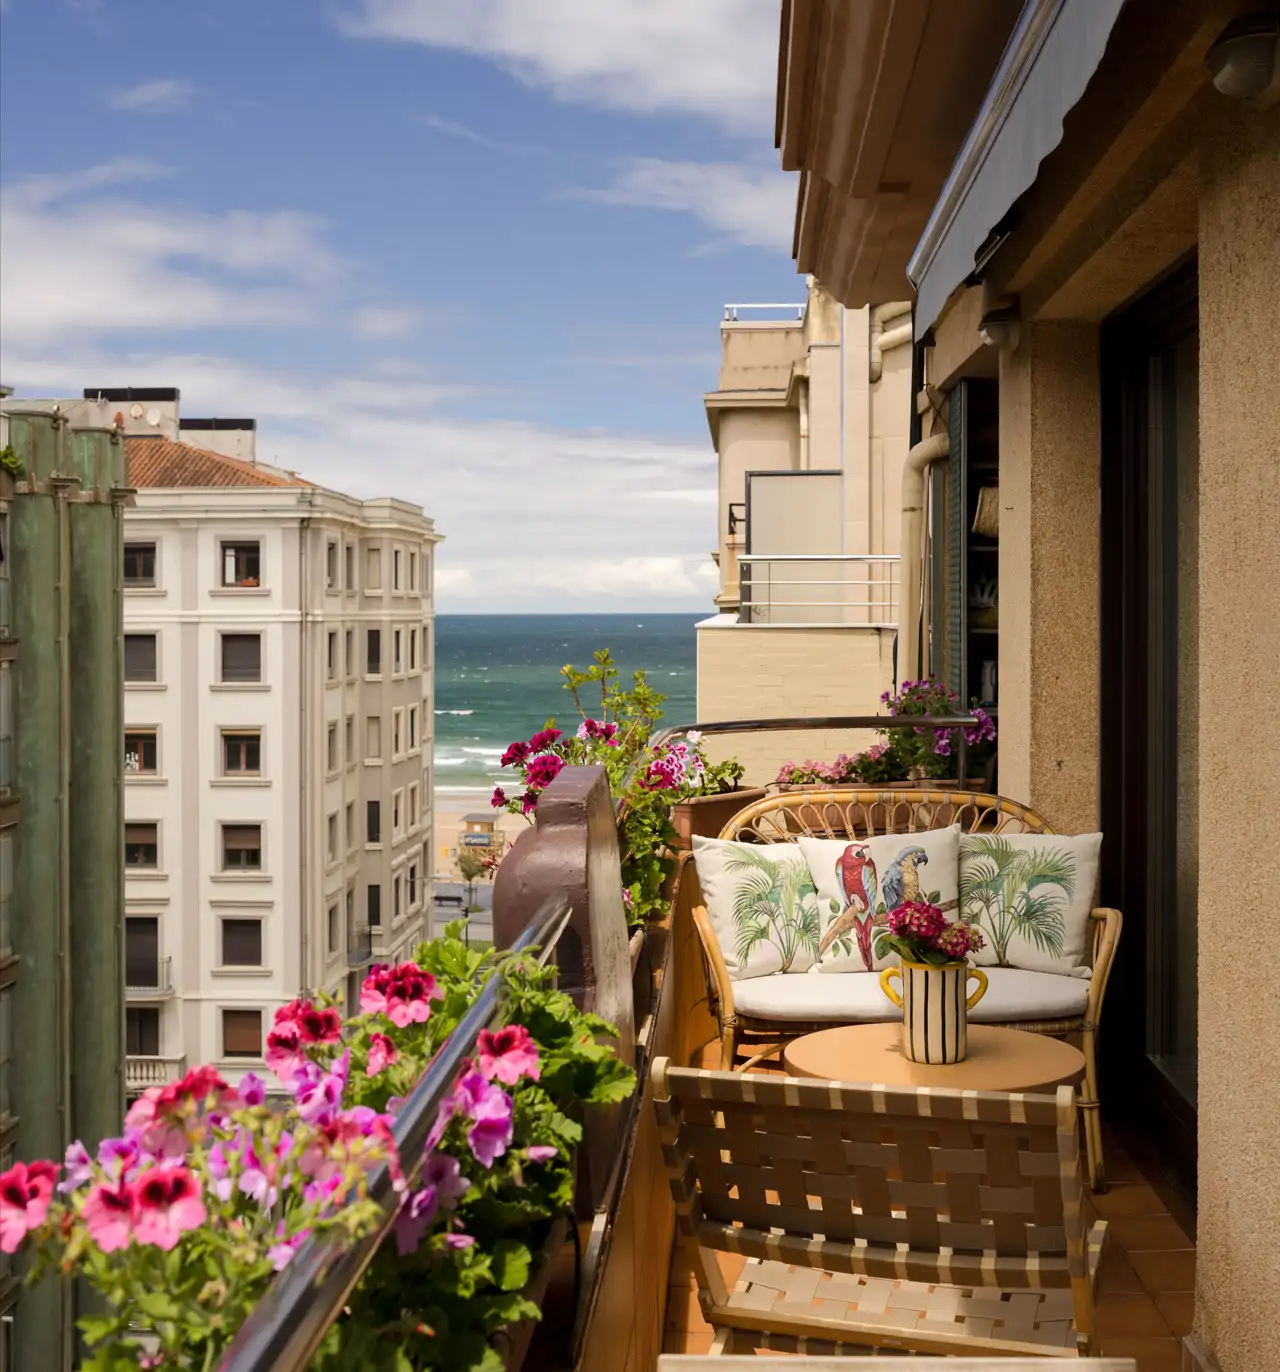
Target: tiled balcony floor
(1144, 1287)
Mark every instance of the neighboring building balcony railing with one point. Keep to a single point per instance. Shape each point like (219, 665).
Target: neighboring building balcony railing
(141, 1072)
(359, 945)
(148, 978)
(856, 589)
(733, 313)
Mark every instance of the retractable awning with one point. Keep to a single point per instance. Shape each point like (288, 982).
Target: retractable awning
(1054, 50)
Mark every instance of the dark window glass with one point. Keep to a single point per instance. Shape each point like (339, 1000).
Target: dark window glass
(373, 905)
(241, 564)
(413, 885)
(139, 564)
(241, 847)
(373, 826)
(140, 657)
(140, 751)
(242, 657)
(333, 928)
(242, 943)
(142, 951)
(141, 845)
(242, 754)
(242, 1033)
(373, 654)
(142, 1031)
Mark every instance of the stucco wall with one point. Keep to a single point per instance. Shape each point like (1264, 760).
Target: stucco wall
(765, 673)
(1049, 532)
(1238, 1262)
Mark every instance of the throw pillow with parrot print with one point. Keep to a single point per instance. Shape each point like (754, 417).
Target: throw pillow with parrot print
(860, 880)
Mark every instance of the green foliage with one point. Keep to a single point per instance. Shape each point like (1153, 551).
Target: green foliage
(11, 462)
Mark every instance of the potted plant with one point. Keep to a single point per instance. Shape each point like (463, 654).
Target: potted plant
(934, 977)
(709, 797)
(927, 754)
(11, 470)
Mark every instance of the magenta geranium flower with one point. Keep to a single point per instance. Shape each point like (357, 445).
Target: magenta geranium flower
(319, 1024)
(150, 1121)
(284, 1055)
(499, 798)
(78, 1166)
(382, 1053)
(110, 1211)
(25, 1192)
(445, 1174)
(280, 1254)
(417, 1211)
(508, 1054)
(169, 1203)
(118, 1157)
(541, 1152)
(459, 1240)
(403, 993)
(542, 771)
(252, 1089)
(543, 739)
(515, 755)
(489, 1109)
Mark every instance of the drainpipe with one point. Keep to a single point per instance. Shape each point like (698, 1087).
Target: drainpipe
(883, 339)
(919, 460)
(803, 399)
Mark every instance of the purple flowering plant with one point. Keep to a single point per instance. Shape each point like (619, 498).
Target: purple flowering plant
(648, 781)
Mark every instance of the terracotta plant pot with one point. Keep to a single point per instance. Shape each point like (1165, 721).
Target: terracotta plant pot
(706, 816)
(935, 1008)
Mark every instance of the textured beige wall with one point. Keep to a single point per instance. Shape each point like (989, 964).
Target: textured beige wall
(767, 673)
(1049, 542)
(1238, 1263)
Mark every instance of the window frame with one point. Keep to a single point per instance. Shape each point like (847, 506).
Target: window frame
(373, 908)
(223, 921)
(332, 755)
(331, 567)
(235, 869)
(154, 826)
(238, 547)
(155, 669)
(372, 635)
(245, 1011)
(142, 732)
(238, 634)
(141, 583)
(246, 736)
(373, 823)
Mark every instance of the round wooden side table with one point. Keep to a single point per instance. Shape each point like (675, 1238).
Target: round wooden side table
(998, 1060)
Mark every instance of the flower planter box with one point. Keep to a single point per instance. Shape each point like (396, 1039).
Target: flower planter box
(706, 816)
(512, 1342)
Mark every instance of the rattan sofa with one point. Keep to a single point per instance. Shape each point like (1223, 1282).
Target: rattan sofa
(747, 1035)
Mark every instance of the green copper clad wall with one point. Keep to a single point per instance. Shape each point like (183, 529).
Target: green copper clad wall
(97, 835)
(42, 1050)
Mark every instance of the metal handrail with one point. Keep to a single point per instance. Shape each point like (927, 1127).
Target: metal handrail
(731, 310)
(819, 557)
(293, 1317)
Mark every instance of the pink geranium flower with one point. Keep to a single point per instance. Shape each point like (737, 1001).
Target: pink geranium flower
(417, 1211)
(382, 1053)
(284, 1055)
(403, 993)
(443, 1173)
(317, 1024)
(25, 1192)
(110, 1212)
(489, 1110)
(281, 1252)
(508, 1054)
(168, 1204)
(78, 1166)
(541, 1152)
(150, 1121)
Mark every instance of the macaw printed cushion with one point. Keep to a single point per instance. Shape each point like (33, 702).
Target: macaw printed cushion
(762, 904)
(1030, 894)
(860, 880)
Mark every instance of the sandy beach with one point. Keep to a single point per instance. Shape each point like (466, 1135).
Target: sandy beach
(449, 808)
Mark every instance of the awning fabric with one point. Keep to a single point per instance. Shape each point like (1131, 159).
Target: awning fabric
(1049, 59)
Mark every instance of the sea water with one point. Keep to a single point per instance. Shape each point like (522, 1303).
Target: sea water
(498, 679)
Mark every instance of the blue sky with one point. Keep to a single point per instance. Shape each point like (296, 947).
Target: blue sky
(469, 252)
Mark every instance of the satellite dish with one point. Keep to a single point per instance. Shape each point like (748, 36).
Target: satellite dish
(153, 418)
(135, 412)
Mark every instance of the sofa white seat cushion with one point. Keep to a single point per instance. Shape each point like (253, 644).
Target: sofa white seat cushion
(856, 997)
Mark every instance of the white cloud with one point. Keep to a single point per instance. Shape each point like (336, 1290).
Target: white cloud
(161, 96)
(378, 323)
(75, 262)
(535, 517)
(714, 58)
(754, 206)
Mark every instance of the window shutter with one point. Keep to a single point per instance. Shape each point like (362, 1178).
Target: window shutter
(139, 657)
(242, 657)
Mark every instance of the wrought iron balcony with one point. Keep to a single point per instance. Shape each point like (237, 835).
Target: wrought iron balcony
(148, 978)
(359, 945)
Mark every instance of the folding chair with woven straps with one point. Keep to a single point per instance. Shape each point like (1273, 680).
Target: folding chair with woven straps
(926, 1220)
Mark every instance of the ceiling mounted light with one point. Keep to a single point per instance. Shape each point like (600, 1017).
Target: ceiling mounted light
(1001, 328)
(1244, 60)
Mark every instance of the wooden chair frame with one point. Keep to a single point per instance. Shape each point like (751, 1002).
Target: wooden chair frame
(746, 1040)
(909, 1189)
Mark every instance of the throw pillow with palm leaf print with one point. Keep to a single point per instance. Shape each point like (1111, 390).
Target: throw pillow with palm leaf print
(762, 904)
(1030, 894)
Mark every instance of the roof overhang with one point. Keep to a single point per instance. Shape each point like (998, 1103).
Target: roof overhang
(873, 102)
(775, 398)
(1053, 52)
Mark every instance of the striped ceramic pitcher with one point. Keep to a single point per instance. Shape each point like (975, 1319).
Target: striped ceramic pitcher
(935, 1009)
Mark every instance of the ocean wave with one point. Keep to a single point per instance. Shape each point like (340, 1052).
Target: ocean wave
(455, 712)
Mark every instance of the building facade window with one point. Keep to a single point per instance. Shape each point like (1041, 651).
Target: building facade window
(142, 951)
(373, 569)
(373, 736)
(373, 904)
(242, 847)
(139, 565)
(241, 657)
(397, 659)
(140, 752)
(373, 652)
(349, 653)
(242, 1033)
(140, 657)
(331, 566)
(413, 727)
(331, 748)
(351, 825)
(332, 836)
(395, 570)
(142, 1031)
(349, 566)
(413, 885)
(373, 821)
(413, 571)
(241, 753)
(397, 731)
(413, 806)
(333, 928)
(395, 897)
(241, 942)
(349, 733)
(396, 815)
(242, 564)
(142, 846)
(331, 656)
(413, 650)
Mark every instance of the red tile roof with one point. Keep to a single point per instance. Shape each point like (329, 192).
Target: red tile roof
(161, 462)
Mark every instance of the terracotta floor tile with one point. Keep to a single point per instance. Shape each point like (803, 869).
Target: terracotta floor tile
(1143, 1232)
(1152, 1354)
(1178, 1308)
(1129, 1314)
(1128, 1198)
(1166, 1270)
(1116, 1271)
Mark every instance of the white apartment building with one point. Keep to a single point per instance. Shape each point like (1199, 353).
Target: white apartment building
(278, 710)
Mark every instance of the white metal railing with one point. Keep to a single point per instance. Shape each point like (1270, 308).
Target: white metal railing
(731, 312)
(858, 589)
(148, 978)
(141, 1072)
